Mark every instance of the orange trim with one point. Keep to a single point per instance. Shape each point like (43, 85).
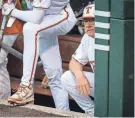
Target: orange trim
(92, 63)
(36, 40)
(55, 23)
(34, 60)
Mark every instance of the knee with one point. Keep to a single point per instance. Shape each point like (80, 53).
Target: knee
(67, 78)
(53, 73)
(28, 29)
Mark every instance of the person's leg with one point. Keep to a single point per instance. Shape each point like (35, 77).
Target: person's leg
(5, 89)
(50, 56)
(25, 91)
(69, 83)
(50, 27)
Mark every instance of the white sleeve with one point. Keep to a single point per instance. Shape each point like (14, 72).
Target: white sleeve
(34, 16)
(91, 54)
(45, 4)
(81, 54)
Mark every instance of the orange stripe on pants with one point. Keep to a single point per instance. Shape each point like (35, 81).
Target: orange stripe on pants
(36, 40)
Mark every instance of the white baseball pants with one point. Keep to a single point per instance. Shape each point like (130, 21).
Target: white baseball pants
(69, 84)
(5, 89)
(41, 40)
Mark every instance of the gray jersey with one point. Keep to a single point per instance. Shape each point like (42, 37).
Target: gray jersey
(51, 6)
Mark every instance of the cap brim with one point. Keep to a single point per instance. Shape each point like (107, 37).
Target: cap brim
(85, 17)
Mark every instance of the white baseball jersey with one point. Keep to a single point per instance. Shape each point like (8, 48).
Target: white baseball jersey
(51, 6)
(85, 52)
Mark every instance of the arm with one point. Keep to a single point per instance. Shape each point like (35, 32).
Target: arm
(83, 85)
(79, 59)
(36, 15)
(75, 67)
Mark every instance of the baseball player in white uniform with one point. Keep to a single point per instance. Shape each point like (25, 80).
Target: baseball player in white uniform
(78, 83)
(47, 20)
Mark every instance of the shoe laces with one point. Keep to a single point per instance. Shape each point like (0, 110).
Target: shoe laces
(22, 89)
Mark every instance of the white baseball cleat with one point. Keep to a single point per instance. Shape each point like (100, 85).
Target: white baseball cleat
(24, 95)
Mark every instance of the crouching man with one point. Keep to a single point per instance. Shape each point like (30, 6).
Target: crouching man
(78, 83)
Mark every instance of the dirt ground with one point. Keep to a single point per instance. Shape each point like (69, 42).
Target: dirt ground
(16, 111)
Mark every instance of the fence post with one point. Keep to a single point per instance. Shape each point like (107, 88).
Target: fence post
(102, 40)
(121, 64)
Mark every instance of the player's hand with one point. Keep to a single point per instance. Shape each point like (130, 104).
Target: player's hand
(83, 85)
(7, 8)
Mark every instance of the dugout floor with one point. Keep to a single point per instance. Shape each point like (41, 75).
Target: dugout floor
(30, 110)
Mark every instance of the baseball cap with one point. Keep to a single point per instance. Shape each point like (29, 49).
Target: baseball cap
(88, 12)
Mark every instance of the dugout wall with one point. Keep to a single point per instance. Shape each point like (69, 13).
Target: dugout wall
(114, 56)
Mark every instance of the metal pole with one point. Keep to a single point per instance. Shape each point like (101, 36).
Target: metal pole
(15, 52)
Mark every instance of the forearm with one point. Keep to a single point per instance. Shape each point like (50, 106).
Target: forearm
(34, 16)
(75, 67)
